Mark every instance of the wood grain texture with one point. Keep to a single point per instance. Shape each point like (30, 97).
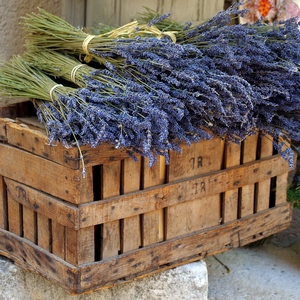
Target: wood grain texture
(153, 221)
(204, 212)
(230, 205)
(37, 143)
(49, 206)
(111, 238)
(248, 191)
(202, 243)
(3, 204)
(264, 187)
(183, 190)
(34, 258)
(131, 229)
(55, 179)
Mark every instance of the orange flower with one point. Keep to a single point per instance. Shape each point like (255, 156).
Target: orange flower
(264, 7)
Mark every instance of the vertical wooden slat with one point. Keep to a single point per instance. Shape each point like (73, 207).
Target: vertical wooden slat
(79, 245)
(29, 224)
(14, 216)
(264, 187)
(153, 222)
(131, 226)
(128, 9)
(58, 239)
(3, 204)
(111, 187)
(281, 188)
(247, 192)
(204, 212)
(232, 158)
(43, 232)
(282, 180)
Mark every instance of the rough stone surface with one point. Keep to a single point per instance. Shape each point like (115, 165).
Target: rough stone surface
(188, 282)
(270, 271)
(12, 33)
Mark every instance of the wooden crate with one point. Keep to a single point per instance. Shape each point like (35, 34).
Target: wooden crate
(126, 220)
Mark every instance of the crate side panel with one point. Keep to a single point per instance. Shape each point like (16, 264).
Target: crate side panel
(42, 174)
(230, 204)
(37, 143)
(180, 191)
(201, 243)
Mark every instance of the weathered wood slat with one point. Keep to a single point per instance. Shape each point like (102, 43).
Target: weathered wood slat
(264, 187)
(111, 237)
(37, 143)
(34, 258)
(14, 216)
(29, 224)
(281, 188)
(3, 130)
(3, 204)
(152, 222)
(58, 240)
(199, 213)
(44, 232)
(230, 204)
(247, 193)
(79, 245)
(131, 231)
(103, 154)
(183, 190)
(26, 168)
(202, 243)
(53, 208)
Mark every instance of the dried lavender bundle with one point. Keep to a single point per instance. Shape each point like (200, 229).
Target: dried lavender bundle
(266, 56)
(210, 97)
(47, 31)
(146, 120)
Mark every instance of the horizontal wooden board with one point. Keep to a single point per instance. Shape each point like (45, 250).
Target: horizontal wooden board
(53, 208)
(3, 130)
(37, 143)
(192, 188)
(201, 243)
(32, 257)
(45, 175)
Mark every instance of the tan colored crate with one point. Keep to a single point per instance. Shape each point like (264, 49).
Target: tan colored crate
(126, 220)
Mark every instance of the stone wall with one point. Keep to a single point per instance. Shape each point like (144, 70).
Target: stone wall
(12, 34)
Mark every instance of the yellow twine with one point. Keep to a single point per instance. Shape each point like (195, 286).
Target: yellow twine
(52, 89)
(85, 44)
(73, 72)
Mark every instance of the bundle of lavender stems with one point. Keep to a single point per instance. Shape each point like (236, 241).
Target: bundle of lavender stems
(148, 88)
